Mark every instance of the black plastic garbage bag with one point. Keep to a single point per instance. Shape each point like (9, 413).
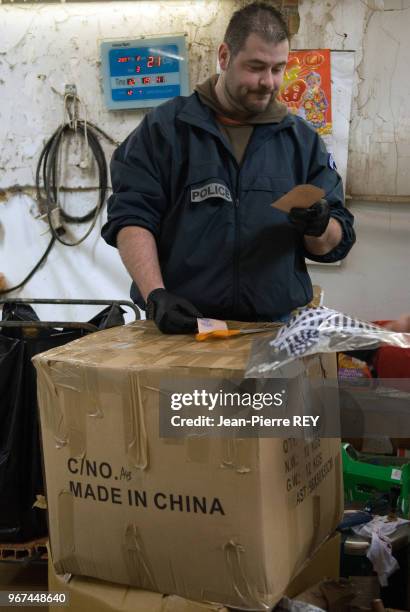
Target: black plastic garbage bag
(21, 481)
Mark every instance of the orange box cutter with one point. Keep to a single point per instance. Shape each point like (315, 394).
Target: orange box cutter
(226, 333)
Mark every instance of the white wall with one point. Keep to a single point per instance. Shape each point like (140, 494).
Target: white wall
(43, 47)
(374, 281)
(379, 148)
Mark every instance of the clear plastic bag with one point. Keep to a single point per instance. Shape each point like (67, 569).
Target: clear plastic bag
(317, 330)
(293, 605)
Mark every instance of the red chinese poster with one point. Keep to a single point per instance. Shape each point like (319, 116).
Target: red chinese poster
(306, 88)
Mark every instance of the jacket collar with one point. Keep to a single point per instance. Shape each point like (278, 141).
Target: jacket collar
(196, 113)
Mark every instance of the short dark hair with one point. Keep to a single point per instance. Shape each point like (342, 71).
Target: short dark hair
(255, 18)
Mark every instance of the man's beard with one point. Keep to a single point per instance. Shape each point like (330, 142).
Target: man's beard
(242, 102)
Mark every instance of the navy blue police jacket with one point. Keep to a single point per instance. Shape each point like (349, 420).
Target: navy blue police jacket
(220, 243)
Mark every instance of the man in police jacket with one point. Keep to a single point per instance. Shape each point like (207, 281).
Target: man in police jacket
(193, 186)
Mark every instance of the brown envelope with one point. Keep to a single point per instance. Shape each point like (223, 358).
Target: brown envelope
(301, 196)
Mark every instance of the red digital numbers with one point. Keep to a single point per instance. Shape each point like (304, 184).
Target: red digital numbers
(146, 80)
(160, 79)
(129, 92)
(138, 69)
(122, 60)
(153, 60)
(130, 81)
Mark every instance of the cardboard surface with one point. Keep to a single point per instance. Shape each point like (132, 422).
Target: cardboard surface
(91, 595)
(209, 519)
(325, 563)
(301, 196)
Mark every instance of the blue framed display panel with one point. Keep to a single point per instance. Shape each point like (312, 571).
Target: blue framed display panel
(144, 72)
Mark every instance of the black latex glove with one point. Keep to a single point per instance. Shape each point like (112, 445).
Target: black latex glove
(172, 314)
(311, 221)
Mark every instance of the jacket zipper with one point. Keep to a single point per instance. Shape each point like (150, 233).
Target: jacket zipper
(236, 250)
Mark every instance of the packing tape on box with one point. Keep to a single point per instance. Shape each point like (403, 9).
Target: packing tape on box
(67, 418)
(191, 354)
(52, 413)
(234, 453)
(134, 554)
(66, 537)
(237, 454)
(234, 552)
(75, 418)
(58, 393)
(136, 559)
(136, 439)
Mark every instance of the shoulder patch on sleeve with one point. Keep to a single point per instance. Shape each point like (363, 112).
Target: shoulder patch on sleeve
(331, 162)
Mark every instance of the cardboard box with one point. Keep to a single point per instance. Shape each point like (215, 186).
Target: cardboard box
(325, 563)
(91, 595)
(210, 519)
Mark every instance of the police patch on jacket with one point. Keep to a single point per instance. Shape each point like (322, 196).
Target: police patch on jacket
(331, 162)
(210, 190)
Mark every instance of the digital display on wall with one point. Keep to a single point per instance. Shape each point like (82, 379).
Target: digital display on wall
(145, 72)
